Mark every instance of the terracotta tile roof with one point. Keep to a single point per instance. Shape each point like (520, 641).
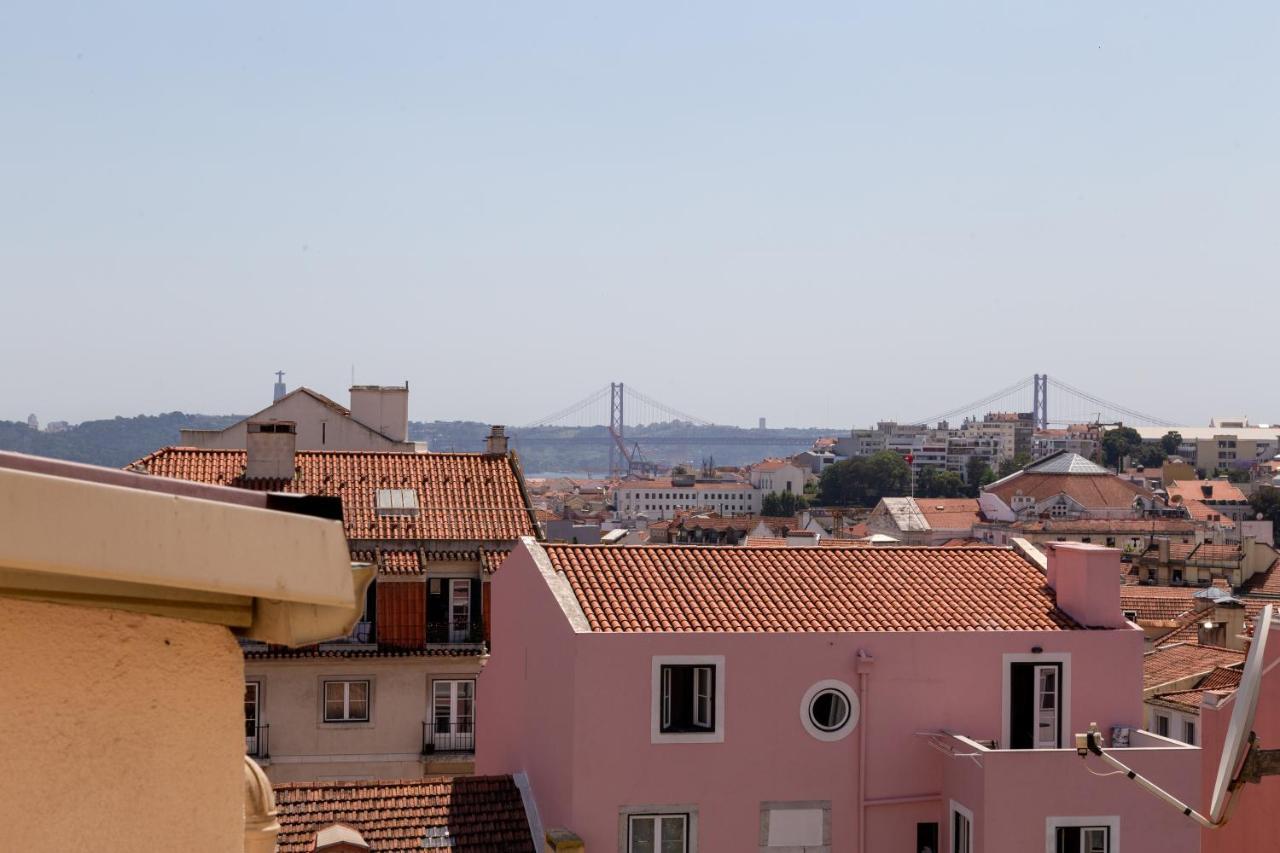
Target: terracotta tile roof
(737, 522)
(1158, 603)
(462, 496)
(681, 588)
(770, 465)
(1186, 701)
(1094, 491)
(478, 814)
(1222, 679)
(1265, 583)
(765, 542)
(545, 514)
(1205, 490)
(1218, 553)
(1172, 663)
(950, 513)
(962, 542)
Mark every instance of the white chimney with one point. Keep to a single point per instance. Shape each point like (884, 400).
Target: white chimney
(271, 446)
(382, 407)
(496, 443)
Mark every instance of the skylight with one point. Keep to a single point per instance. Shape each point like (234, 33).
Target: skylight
(397, 502)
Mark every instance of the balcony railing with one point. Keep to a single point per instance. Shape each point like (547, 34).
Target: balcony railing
(448, 736)
(455, 633)
(257, 741)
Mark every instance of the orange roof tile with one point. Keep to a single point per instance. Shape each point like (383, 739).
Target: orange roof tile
(1172, 663)
(1205, 490)
(477, 814)
(461, 496)
(1094, 491)
(1222, 679)
(950, 513)
(1158, 603)
(681, 588)
(1265, 583)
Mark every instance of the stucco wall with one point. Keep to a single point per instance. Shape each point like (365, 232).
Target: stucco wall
(338, 432)
(305, 748)
(121, 731)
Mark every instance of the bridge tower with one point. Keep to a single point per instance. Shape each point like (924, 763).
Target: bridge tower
(618, 462)
(1040, 401)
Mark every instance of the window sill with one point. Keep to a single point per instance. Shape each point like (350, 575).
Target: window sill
(688, 737)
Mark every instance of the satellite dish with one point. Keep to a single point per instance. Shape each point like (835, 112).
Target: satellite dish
(1240, 731)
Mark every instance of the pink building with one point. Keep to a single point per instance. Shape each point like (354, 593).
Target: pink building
(683, 699)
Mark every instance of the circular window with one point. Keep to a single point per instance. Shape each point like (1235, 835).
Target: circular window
(829, 710)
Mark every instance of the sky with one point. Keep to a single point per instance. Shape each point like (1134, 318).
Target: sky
(822, 213)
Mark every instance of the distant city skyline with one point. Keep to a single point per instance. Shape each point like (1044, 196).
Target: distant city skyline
(824, 216)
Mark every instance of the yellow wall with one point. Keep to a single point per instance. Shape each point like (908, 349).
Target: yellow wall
(118, 731)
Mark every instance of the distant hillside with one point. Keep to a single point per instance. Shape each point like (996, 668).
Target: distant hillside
(119, 441)
(115, 443)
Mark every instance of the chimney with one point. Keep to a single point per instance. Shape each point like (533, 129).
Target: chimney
(562, 841)
(1086, 579)
(384, 408)
(271, 446)
(496, 443)
(1223, 626)
(1162, 550)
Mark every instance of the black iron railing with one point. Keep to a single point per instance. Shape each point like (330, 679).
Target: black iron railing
(467, 633)
(448, 736)
(257, 740)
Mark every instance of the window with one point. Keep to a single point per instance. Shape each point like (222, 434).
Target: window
(688, 698)
(1189, 731)
(926, 838)
(397, 502)
(658, 833)
(829, 710)
(1162, 725)
(346, 701)
(1082, 834)
(454, 710)
(961, 829)
(1037, 700)
(252, 717)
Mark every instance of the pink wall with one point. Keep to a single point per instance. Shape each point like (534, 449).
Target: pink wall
(587, 760)
(1086, 579)
(1255, 820)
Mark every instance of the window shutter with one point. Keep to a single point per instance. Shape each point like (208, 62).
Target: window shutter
(401, 621)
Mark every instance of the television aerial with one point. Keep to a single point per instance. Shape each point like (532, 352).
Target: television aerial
(1242, 760)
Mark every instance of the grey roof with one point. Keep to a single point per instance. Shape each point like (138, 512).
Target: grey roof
(1064, 462)
(906, 514)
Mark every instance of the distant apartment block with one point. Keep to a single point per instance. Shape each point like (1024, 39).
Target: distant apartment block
(664, 498)
(1226, 444)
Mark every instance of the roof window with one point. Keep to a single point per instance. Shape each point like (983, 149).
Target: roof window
(397, 502)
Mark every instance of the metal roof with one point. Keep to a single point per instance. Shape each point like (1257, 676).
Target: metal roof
(1064, 462)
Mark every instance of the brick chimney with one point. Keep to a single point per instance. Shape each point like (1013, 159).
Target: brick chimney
(271, 447)
(382, 407)
(1086, 579)
(496, 443)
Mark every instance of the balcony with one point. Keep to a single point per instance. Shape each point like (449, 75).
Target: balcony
(456, 634)
(257, 741)
(448, 736)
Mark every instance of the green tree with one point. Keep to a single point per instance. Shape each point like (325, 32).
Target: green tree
(1017, 463)
(1119, 443)
(782, 504)
(944, 484)
(1238, 475)
(864, 480)
(1170, 442)
(1149, 455)
(1266, 502)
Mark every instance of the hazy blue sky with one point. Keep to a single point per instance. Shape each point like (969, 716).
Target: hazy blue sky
(819, 213)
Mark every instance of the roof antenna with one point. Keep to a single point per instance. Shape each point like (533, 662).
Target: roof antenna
(1242, 760)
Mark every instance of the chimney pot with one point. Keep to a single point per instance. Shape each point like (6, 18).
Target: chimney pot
(496, 443)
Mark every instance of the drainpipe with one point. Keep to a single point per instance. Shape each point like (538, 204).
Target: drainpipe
(863, 668)
(260, 824)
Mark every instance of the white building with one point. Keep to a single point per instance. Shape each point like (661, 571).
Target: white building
(778, 475)
(656, 499)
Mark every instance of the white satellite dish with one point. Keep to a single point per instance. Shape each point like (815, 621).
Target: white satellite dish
(1241, 760)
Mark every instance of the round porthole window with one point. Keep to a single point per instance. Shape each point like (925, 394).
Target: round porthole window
(829, 710)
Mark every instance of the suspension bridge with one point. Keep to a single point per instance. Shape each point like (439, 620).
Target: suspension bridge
(625, 419)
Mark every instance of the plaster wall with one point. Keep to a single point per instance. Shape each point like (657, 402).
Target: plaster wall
(319, 428)
(121, 731)
(303, 747)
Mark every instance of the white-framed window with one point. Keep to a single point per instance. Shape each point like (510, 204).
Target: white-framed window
(1162, 724)
(1036, 700)
(688, 699)
(1082, 834)
(829, 710)
(961, 829)
(657, 833)
(454, 712)
(252, 717)
(346, 701)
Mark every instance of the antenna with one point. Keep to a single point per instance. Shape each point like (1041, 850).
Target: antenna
(1242, 760)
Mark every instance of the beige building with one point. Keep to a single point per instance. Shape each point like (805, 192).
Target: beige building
(378, 419)
(120, 599)
(395, 697)
(778, 475)
(665, 498)
(1226, 444)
